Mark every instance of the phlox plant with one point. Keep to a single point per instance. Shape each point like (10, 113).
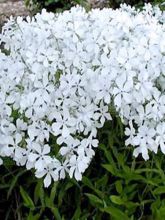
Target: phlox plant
(61, 73)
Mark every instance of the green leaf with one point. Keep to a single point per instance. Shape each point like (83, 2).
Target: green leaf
(58, 75)
(56, 213)
(87, 182)
(159, 190)
(4, 186)
(53, 192)
(150, 182)
(117, 200)
(101, 182)
(14, 182)
(33, 217)
(27, 200)
(63, 190)
(109, 168)
(107, 154)
(27, 2)
(77, 214)
(116, 213)
(39, 193)
(119, 187)
(94, 199)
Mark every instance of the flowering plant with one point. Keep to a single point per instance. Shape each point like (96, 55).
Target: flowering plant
(59, 75)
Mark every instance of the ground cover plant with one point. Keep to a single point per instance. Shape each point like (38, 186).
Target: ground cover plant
(49, 113)
(69, 80)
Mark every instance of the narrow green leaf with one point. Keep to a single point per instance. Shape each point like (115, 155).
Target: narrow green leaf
(119, 187)
(14, 181)
(116, 213)
(27, 200)
(94, 199)
(109, 168)
(56, 213)
(87, 182)
(117, 200)
(159, 190)
(53, 192)
(77, 214)
(33, 217)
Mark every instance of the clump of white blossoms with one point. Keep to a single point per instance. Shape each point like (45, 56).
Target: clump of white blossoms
(60, 72)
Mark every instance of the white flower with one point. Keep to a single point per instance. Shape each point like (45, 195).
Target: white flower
(160, 137)
(39, 130)
(130, 132)
(123, 90)
(78, 166)
(61, 126)
(102, 114)
(122, 55)
(71, 146)
(39, 156)
(1, 161)
(145, 139)
(49, 172)
(61, 74)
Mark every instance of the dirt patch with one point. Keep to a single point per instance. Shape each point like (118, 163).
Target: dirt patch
(12, 7)
(98, 3)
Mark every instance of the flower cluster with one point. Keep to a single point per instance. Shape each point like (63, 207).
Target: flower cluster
(59, 73)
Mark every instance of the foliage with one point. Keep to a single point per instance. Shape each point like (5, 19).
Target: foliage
(116, 186)
(54, 5)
